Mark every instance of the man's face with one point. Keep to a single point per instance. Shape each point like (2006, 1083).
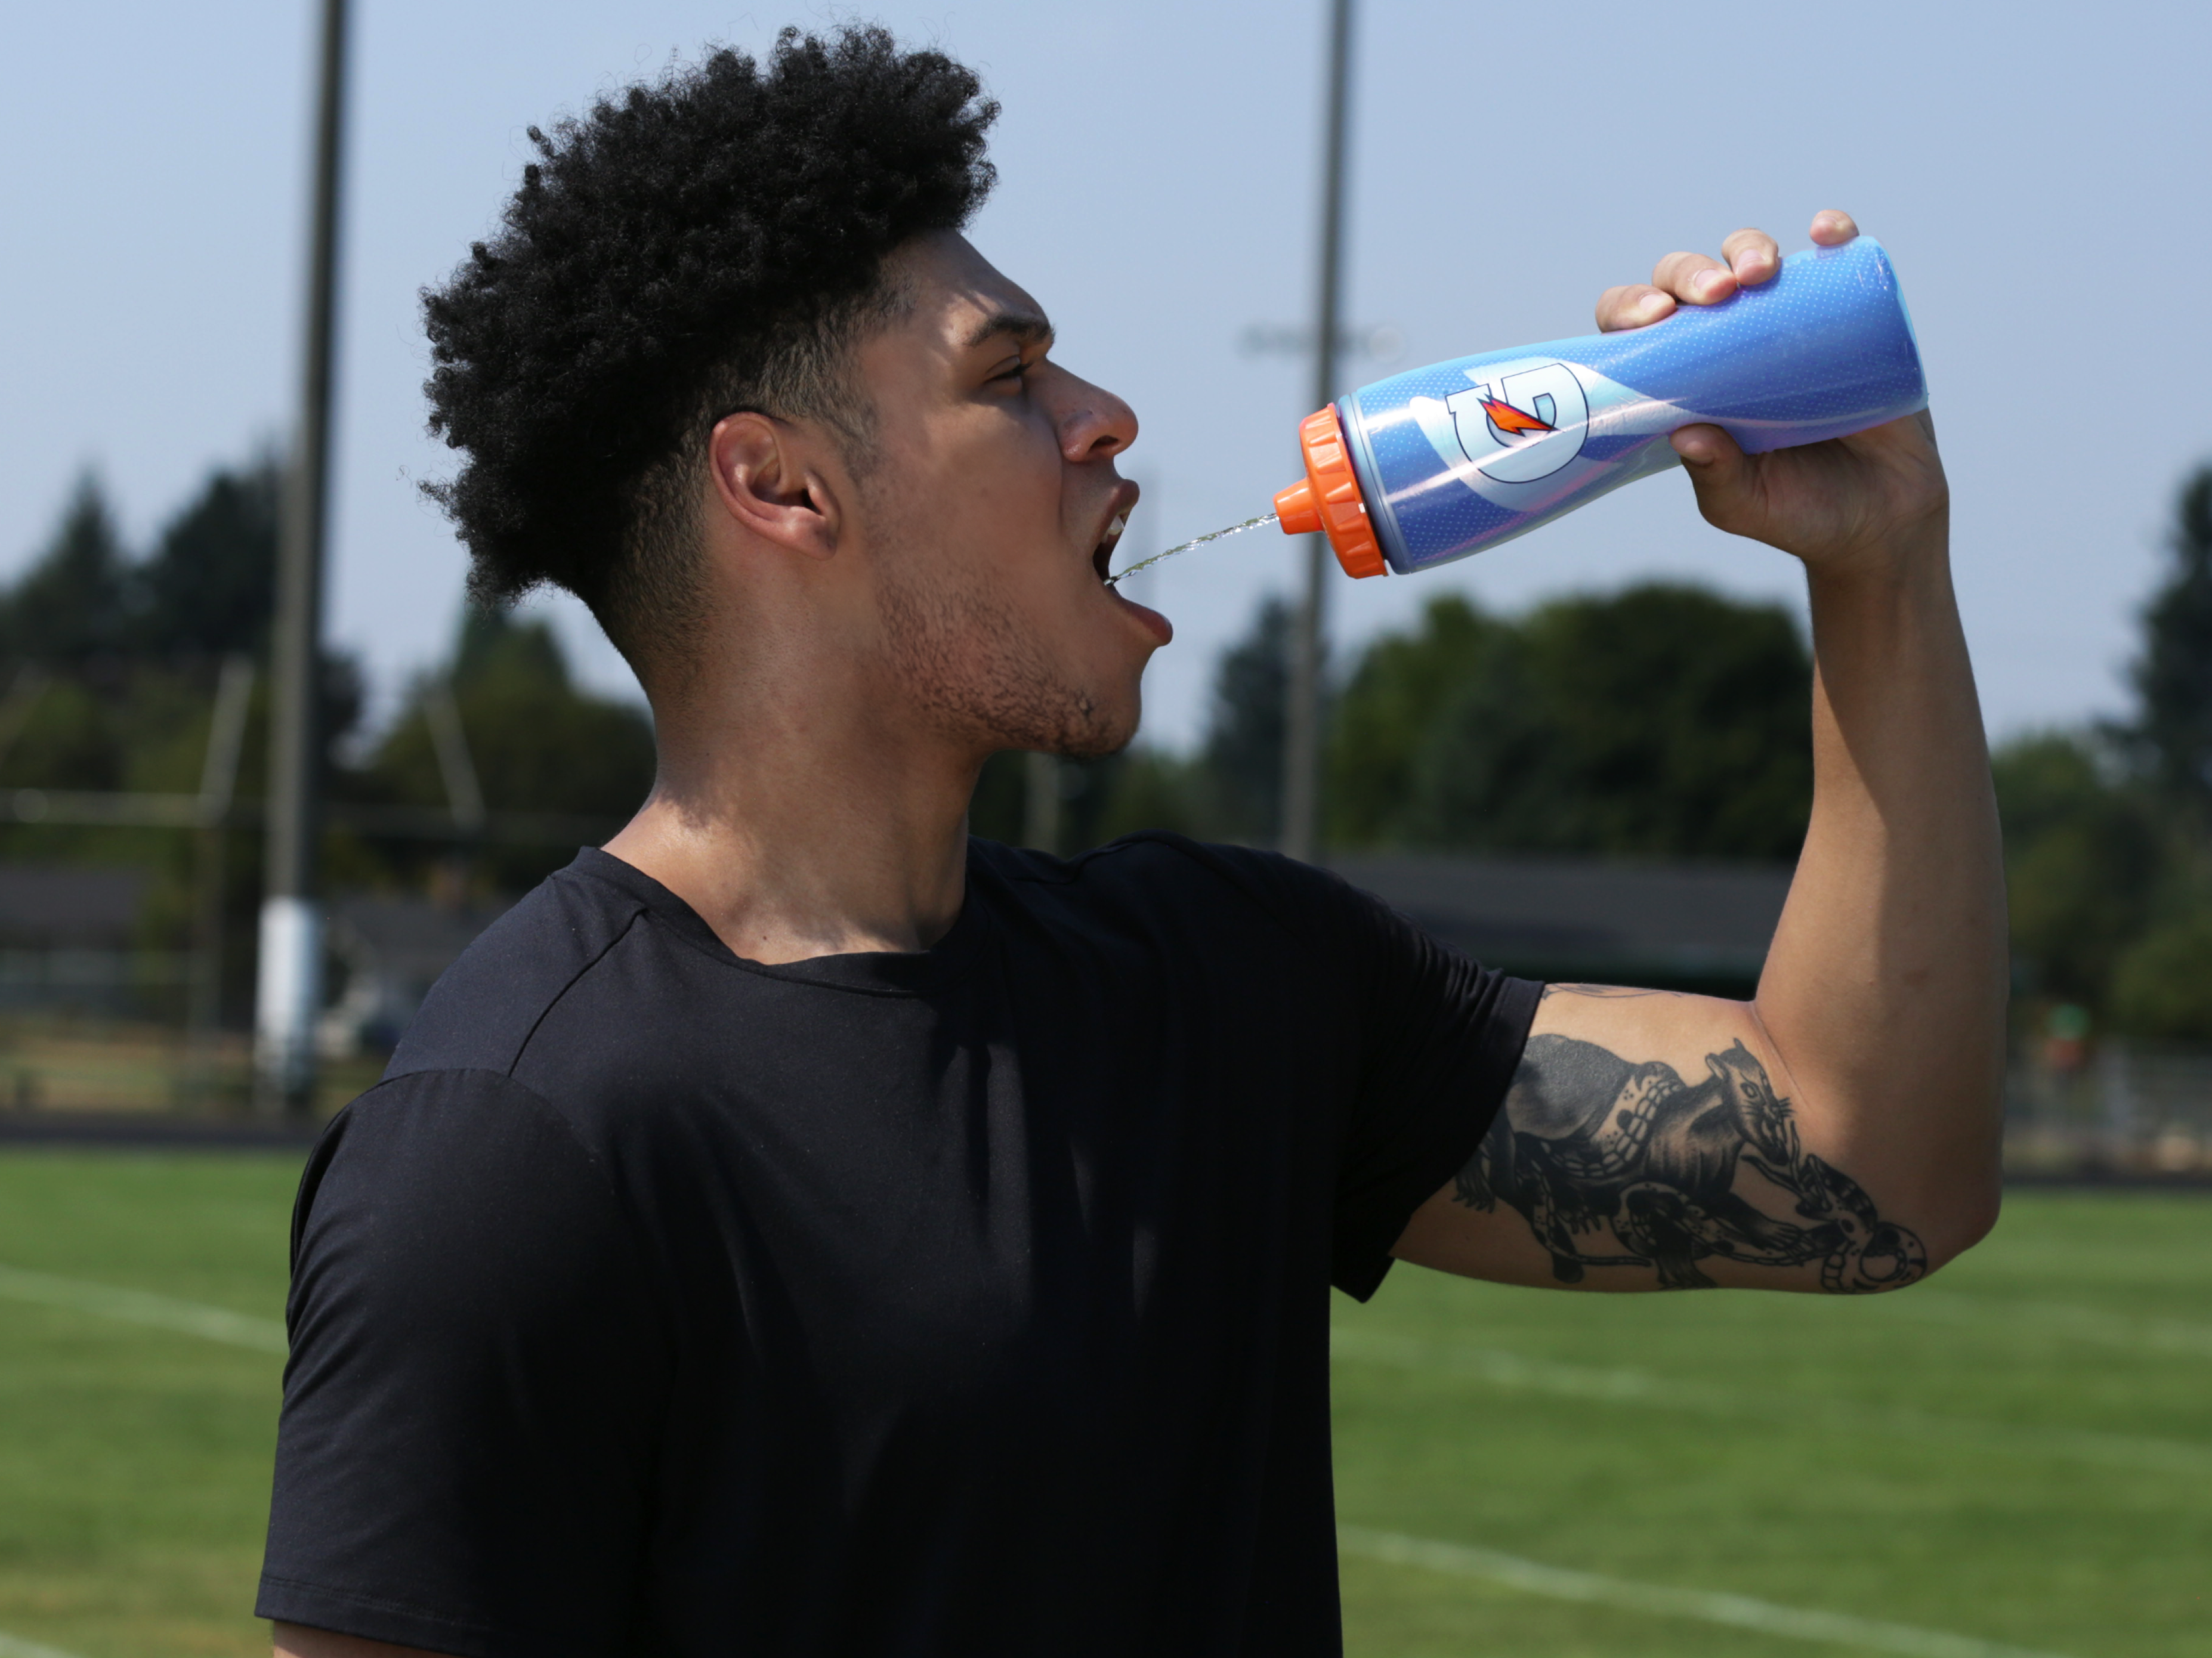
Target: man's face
(988, 514)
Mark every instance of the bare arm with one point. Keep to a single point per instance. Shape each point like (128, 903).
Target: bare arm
(1840, 1131)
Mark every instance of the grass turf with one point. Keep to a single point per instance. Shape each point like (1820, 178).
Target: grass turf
(2020, 1453)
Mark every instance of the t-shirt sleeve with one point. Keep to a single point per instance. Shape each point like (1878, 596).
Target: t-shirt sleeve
(471, 1406)
(1438, 1037)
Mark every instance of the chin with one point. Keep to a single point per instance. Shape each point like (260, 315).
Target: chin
(1019, 702)
(1110, 728)
(1096, 747)
(1086, 736)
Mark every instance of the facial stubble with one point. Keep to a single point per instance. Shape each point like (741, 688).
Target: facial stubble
(965, 656)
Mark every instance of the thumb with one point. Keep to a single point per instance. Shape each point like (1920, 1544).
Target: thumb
(1721, 473)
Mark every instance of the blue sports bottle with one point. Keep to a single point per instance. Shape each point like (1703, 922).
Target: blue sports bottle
(1438, 463)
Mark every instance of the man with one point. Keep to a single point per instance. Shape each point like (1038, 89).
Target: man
(796, 1229)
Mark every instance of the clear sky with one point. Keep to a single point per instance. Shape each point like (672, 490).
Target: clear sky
(2038, 173)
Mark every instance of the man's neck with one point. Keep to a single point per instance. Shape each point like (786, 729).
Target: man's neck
(798, 833)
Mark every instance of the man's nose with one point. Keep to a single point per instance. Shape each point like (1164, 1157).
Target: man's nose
(1092, 422)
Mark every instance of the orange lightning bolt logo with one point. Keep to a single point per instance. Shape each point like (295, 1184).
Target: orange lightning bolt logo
(1511, 421)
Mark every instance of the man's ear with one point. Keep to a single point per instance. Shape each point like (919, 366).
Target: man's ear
(765, 480)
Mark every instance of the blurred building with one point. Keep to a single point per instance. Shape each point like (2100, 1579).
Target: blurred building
(1703, 927)
(1688, 926)
(391, 951)
(67, 938)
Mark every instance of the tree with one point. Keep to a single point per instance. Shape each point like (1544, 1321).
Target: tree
(1101, 800)
(1387, 710)
(1684, 719)
(2173, 676)
(1661, 721)
(68, 738)
(2161, 985)
(1145, 789)
(1242, 754)
(540, 743)
(210, 588)
(536, 741)
(2086, 856)
(74, 605)
(118, 683)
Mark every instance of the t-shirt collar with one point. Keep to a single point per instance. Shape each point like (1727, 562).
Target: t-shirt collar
(885, 971)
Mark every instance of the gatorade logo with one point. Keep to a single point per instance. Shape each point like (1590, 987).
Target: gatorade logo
(1522, 427)
(1518, 432)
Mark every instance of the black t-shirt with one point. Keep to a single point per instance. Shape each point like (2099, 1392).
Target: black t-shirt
(969, 1301)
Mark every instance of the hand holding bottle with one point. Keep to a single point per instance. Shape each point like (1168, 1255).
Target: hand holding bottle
(1844, 502)
(1712, 360)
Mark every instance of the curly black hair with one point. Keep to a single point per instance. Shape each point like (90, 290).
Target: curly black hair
(711, 241)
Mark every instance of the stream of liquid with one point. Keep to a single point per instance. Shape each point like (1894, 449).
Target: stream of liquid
(1234, 529)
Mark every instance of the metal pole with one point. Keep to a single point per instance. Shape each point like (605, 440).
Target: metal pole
(288, 996)
(234, 699)
(1302, 726)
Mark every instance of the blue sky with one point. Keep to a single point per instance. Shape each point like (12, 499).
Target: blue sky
(2038, 173)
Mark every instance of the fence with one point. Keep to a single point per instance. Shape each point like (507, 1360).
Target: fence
(59, 1062)
(2130, 1108)
(72, 1038)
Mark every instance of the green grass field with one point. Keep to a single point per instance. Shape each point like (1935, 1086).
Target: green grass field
(2016, 1459)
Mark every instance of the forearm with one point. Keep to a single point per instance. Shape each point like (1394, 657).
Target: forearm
(1884, 991)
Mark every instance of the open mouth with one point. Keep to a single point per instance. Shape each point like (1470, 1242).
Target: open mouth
(1102, 555)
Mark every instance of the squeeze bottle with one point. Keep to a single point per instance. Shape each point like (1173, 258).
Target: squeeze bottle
(1437, 463)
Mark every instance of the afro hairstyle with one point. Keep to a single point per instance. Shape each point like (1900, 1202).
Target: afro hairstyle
(708, 242)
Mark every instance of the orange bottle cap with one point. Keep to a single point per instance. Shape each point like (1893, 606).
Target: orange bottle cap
(1327, 498)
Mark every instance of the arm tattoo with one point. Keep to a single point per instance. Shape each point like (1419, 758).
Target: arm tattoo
(1615, 1164)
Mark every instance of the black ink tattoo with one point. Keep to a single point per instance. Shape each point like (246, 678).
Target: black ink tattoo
(1615, 1164)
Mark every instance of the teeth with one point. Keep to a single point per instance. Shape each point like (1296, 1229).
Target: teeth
(1114, 530)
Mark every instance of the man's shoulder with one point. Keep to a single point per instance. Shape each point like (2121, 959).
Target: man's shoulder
(484, 1007)
(1160, 872)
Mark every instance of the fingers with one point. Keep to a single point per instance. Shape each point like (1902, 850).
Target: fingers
(1693, 278)
(1752, 256)
(1749, 257)
(1832, 228)
(1687, 279)
(1634, 305)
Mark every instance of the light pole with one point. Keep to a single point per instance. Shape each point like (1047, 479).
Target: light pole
(288, 993)
(1302, 723)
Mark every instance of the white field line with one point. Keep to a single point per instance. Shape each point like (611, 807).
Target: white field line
(13, 1646)
(192, 1318)
(2145, 1335)
(1639, 1388)
(1792, 1623)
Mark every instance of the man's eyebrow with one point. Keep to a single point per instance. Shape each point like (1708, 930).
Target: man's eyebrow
(1025, 327)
